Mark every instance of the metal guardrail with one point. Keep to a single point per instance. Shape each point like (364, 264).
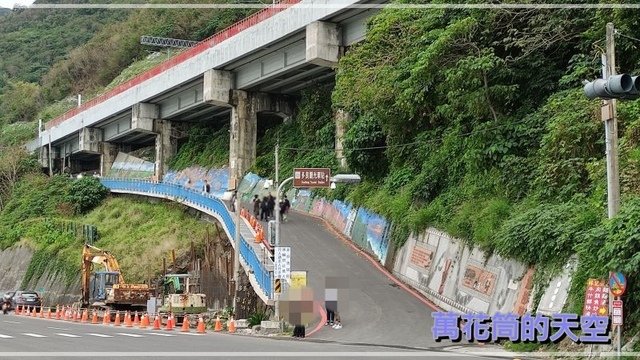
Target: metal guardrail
(211, 205)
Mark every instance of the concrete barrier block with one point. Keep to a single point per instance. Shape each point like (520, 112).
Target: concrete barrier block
(242, 323)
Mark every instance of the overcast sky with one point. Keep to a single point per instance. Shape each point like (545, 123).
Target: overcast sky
(10, 3)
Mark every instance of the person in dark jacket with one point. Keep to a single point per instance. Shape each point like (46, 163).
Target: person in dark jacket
(271, 205)
(256, 205)
(264, 214)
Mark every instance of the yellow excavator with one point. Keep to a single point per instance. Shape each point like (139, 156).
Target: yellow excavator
(107, 289)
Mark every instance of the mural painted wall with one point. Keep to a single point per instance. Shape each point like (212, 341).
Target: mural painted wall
(458, 278)
(194, 177)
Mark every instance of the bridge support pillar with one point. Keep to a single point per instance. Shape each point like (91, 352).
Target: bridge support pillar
(109, 151)
(244, 126)
(323, 43)
(143, 115)
(242, 145)
(217, 87)
(341, 118)
(166, 147)
(89, 140)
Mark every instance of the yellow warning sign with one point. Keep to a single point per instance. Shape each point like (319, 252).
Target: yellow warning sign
(298, 279)
(278, 287)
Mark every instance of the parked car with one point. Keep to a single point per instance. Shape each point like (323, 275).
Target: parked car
(26, 298)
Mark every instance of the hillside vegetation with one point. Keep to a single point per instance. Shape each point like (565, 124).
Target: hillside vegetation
(474, 122)
(471, 121)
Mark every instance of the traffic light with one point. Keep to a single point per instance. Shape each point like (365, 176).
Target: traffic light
(623, 86)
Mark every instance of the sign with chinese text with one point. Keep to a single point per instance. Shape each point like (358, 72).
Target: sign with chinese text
(282, 262)
(311, 177)
(480, 327)
(616, 318)
(596, 298)
(617, 283)
(298, 279)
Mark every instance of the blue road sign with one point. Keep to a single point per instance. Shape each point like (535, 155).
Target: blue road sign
(617, 283)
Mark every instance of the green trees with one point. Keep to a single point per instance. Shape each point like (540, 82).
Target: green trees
(20, 102)
(86, 193)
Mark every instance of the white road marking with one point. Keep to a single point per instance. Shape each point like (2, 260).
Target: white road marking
(190, 333)
(101, 335)
(160, 334)
(5, 337)
(34, 335)
(68, 335)
(12, 322)
(131, 335)
(57, 328)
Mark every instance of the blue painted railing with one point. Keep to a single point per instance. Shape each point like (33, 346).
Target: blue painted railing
(211, 205)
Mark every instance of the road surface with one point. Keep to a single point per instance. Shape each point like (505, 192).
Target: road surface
(22, 337)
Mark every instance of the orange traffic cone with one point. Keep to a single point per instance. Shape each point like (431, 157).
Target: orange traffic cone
(41, 312)
(34, 313)
(169, 325)
(49, 313)
(106, 319)
(201, 327)
(94, 318)
(85, 316)
(136, 320)
(76, 315)
(185, 324)
(58, 313)
(218, 326)
(156, 323)
(127, 319)
(144, 322)
(232, 326)
(117, 322)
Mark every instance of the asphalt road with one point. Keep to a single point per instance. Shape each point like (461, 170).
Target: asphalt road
(22, 337)
(374, 310)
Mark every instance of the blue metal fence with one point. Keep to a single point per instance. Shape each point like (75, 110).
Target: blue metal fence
(211, 205)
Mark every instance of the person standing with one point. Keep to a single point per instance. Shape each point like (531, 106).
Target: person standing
(271, 205)
(234, 197)
(264, 215)
(256, 205)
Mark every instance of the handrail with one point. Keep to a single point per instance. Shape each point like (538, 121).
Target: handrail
(217, 38)
(211, 205)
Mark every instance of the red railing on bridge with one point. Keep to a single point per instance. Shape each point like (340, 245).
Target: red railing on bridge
(220, 36)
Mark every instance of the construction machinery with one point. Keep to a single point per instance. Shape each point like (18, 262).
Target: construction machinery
(107, 289)
(178, 298)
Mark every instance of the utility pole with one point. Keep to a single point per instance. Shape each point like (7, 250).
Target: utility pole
(51, 157)
(277, 242)
(236, 257)
(609, 116)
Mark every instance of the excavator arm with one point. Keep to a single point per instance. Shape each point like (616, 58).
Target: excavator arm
(91, 254)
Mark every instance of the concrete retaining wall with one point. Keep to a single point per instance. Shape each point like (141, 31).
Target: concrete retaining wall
(14, 262)
(52, 287)
(458, 278)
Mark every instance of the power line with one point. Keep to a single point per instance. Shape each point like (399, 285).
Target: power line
(434, 140)
(627, 36)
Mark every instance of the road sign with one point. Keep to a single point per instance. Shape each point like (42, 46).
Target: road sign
(596, 298)
(298, 279)
(311, 177)
(282, 262)
(617, 283)
(617, 312)
(278, 286)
